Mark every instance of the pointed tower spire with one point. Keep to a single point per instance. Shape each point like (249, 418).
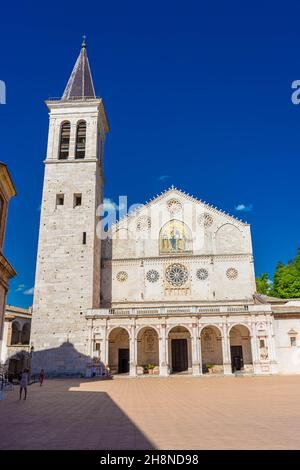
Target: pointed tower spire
(80, 84)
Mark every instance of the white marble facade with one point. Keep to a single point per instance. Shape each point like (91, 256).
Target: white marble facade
(172, 287)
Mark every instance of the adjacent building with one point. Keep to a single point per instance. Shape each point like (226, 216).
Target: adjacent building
(15, 352)
(7, 191)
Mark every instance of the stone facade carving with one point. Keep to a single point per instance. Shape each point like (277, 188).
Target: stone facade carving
(176, 274)
(202, 274)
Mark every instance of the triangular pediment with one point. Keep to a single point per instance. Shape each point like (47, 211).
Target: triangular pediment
(176, 200)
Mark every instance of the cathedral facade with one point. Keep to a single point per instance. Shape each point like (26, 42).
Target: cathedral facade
(170, 288)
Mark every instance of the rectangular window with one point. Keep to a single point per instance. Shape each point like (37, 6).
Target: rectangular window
(60, 199)
(77, 200)
(293, 340)
(261, 343)
(84, 238)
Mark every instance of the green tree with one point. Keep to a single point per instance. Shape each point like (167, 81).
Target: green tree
(263, 284)
(286, 282)
(276, 279)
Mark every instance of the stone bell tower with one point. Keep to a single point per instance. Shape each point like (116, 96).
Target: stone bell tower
(68, 259)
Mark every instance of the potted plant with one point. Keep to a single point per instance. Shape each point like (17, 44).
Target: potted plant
(150, 367)
(210, 368)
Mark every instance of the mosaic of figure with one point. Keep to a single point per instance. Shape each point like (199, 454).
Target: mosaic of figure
(175, 237)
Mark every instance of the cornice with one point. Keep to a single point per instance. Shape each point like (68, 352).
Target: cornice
(6, 268)
(183, 258)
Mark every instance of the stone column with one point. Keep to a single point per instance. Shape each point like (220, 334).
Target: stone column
(132, 352)
(270, 343)
(272, 349)
(196, 367)
(104, 346)
(20, 336)
(227, 368)
(163, 364)
(168, 350)
(91, 340)
(72, 144)
(253, 340)
(255, 350)
(9, 334)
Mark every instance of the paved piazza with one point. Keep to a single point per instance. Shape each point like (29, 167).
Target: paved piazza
(155, 413)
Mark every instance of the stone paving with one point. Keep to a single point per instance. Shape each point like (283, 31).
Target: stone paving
(155, 413)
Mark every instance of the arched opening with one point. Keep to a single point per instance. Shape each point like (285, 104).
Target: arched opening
(147, 351)
(15, 333)
(25, 335)
(211, 350)
(228, 239)
(180, 352)
(175, 237)
(64, 142)
(80, 140)
(118, 352)
(17, 363)
(240, 349)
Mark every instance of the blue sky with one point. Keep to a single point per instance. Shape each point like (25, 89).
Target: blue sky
(197, 95)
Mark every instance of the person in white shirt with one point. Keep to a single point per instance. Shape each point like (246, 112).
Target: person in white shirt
(24, 383)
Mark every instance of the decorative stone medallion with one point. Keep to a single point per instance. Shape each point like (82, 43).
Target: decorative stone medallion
(143, 223)
(206, 219)
(122, 276)
(152, 275)
(202, 274)
(176, 274)
(174, 206)
(232, 273)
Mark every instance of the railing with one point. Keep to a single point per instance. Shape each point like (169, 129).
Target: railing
(176, 310)
(74, 98)
(5, 384)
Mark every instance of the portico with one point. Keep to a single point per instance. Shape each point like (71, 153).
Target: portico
(192, 342)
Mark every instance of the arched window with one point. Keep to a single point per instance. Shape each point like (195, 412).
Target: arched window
(15, 336)
(64, 142)
(25, 336)
(80, 140)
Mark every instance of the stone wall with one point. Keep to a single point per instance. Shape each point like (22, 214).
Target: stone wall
(218, 259)
(288, 355)
(68, 268)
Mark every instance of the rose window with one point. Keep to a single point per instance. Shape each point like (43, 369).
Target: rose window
(202, 274)
(176, 274)
(205, 219)
(232, 273)
(152, 275)
(143, 223)
(174, 206)
(122, 276)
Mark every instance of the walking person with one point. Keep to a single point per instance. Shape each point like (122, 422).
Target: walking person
(42, 377)
(24, 383)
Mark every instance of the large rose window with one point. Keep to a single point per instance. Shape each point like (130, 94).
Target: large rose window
(176, 274)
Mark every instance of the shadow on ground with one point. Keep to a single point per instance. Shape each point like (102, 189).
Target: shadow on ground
(53, 417)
